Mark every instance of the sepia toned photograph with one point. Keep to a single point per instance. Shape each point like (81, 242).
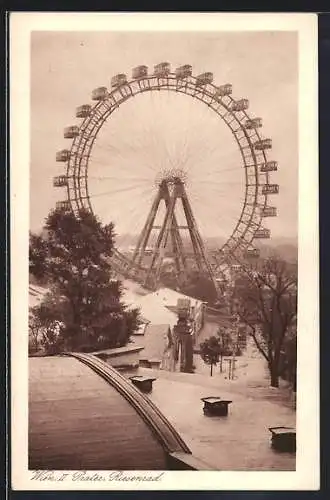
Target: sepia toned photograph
(163, 253)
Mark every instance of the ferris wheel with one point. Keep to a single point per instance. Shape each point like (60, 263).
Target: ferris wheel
(164, 169)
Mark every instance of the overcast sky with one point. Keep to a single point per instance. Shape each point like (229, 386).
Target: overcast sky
(150, 133)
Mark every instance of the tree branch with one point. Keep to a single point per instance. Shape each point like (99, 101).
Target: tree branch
(254, 336)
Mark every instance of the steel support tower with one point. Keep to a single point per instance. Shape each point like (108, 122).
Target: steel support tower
(171, 190)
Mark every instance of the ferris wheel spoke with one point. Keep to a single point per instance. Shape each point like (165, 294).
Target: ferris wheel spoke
(115, 191)
(224, 224)
(109, 148)
(125, 228)
(209, 214)
(212, 190)
(119, 178)
(221, 170)
(215, 194)
(134, 224)
(133, 182)
(125, 163)
(211, 208)
(213, 166)
(130, 217)
(222, 182)
(122, 203)
(211, 218)
(216, 198)
(215, 157)
(116, 166)
(118, 152)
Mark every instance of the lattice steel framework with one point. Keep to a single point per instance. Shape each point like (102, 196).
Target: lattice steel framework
(172, 191)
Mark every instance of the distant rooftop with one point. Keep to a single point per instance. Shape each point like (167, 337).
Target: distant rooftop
(170, 297)
(156, 342)
(154, 311)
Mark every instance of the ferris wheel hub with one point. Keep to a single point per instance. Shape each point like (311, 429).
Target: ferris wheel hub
(171, 177)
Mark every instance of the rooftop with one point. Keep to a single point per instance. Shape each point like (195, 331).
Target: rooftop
(170, 297)
(240, 441)
(83, 414)
(154, 311)
(155, 342)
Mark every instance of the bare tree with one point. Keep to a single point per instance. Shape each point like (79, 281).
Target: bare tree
(267, 304)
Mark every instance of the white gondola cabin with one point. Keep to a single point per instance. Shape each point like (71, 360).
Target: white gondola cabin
(225, 89)
(252, 253)
(63, 205)
(71, 132)
(253, 123)
(262, 233)
(99, 94)
(263, 144)
(118, 80)
(204, 79)
(269, 166)
(269, 212)
(240, 105)
(83, 111)
(140, 72)
(270, 189)
(183, 71)
(60, 181)
(63, 155)
(162, 69)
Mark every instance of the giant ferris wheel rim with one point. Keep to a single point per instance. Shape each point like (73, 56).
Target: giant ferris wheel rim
(83, 142)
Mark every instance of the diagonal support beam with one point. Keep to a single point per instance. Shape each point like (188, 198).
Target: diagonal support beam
(159, 251)
(197, 242)
(145, 235)
(170, 191)
(176, 240)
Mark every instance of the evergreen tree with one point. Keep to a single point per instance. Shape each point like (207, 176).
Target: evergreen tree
(75, 257)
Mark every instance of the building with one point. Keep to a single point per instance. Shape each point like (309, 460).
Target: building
(169, 298)
(158, 347)
(154, 311)
(156, 331)
(159, 312)
(159, 315)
